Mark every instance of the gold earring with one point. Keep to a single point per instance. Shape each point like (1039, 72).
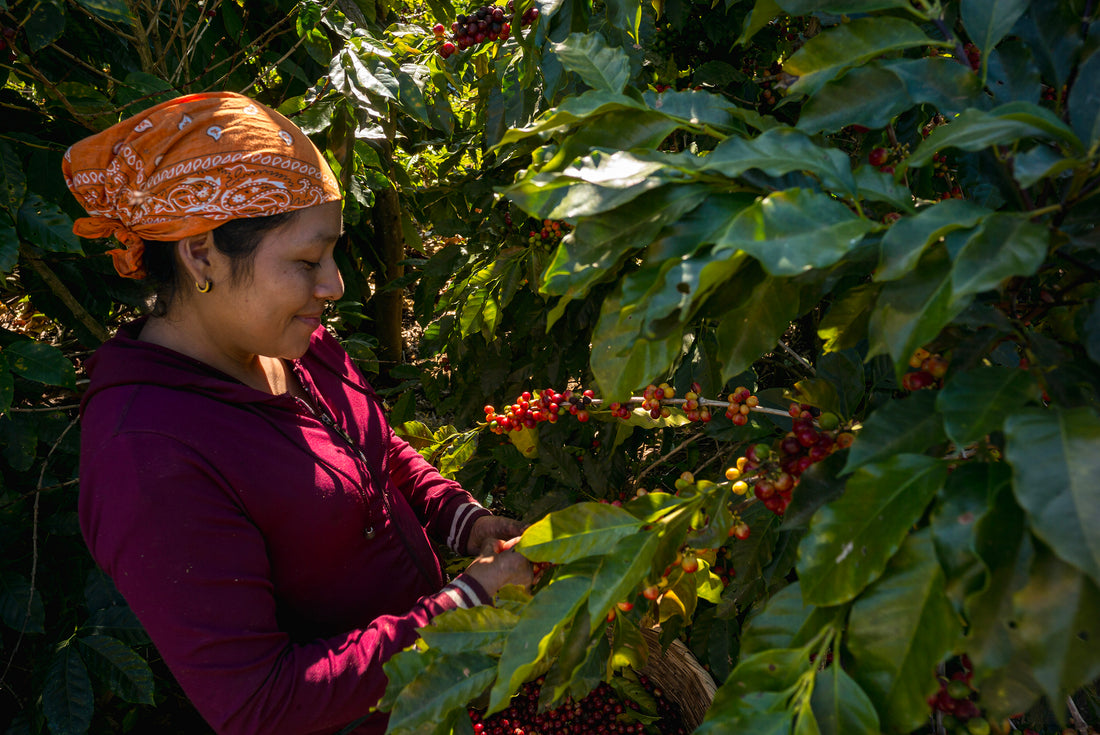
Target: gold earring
(205, 288)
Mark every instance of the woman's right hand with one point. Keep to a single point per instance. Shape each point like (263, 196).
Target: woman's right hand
(498, 565)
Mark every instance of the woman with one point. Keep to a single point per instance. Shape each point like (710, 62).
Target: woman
(239, 481)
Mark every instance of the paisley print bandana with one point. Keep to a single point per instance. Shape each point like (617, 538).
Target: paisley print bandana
(185, 166)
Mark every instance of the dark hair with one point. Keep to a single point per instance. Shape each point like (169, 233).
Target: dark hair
(237, 239)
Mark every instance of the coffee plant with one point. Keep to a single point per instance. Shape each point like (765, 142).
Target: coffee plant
(813, 284)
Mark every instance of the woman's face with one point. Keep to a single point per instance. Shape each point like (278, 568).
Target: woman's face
(274, 311)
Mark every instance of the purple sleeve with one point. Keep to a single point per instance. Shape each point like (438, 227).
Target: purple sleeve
(446, 509)
(194, 569)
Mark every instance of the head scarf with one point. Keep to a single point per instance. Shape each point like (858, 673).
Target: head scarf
(187, 165)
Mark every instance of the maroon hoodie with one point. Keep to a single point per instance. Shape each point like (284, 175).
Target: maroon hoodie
(234, 522)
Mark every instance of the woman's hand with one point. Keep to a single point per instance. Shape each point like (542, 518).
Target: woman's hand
(491, 528)
(498, 565)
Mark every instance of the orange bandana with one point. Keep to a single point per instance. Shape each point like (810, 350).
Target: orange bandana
(185, 166)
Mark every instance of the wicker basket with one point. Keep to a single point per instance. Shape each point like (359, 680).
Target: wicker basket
(680, 677)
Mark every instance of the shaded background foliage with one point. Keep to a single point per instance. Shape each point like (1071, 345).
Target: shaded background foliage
(729, 220)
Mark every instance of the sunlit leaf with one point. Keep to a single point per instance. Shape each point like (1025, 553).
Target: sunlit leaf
(581, 530)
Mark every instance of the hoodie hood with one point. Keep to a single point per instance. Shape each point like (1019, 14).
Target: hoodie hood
(124, 360)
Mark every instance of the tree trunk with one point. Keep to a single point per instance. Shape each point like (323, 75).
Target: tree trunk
(390, 242)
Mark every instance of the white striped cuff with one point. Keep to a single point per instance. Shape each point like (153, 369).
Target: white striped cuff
(461, 594)
(459, 522)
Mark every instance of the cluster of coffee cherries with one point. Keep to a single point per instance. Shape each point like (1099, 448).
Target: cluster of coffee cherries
(741, 402)
(928, 371)
(486, 24)
(533, 408)
(602, 711)
(777, 469)
(548, 235)
(959, 713)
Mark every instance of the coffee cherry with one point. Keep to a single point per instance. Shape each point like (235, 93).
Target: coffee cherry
(689, 563)
(651, 592)
(438, 29)
(878, 156)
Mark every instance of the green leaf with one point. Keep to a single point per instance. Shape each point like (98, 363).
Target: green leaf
(786, 622)
(845, 323)
(44, 24)
(793, 231)
(839, 7)
(907, 239)
(18, 440)
(840, 706)
(482, 628)
(20, 609)
(870, 96)
(975, 130)
(1084, 101)
(942, 82)
(781, 151)
(827, 54)
(595, 184)
(1059, 624)
(13, 184)
(975, 403)
(9, 245)
(621, 360)
(908, 425)
(1055, 457)
(754, 697)
(448, 683)
(987, 21)
(911, 311)
(620, 574)
(588, 56)
(118, 666)
(40, 362)
(851, 540)
(762, 13)
(750, 330)
(593, 251)
(67, 700)
(410, 97)
(530, 641)
(112, 11)
(898, 630)
(583, 529)
(1004, 246)
(45, 225)
(1041, 162)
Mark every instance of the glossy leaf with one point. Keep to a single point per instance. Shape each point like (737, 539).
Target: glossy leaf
(907, 239)
(851, 539)
(481, 628)
(781, 151)
(869, 95)
(20, 608)
(910, 425)
(976, 130)
(601, 66)
(754, 697)
(795, 230)
(987, 21)
(1059, 624)
(786, 622)
(112, 11)
(530, 641)
(680, 288)
(1004, 246)
(1084, 101)
(825, 55)
(42, 223)
(839, 704)
(9, 244)
(910, 312)
(748, 331)
(845, 323)
(1041, 162)
(975, 403)
(594, 103)
(949, 86)
(620, 574)
(44, 24)
(838, 7)
(621, 359)
(117, 665)
(13, 184)
(592, 252)
(41, 363)
(68, 701)
(707, 112)
(447, 683)
(581, 530)
(898, 630)
(1055, 457)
